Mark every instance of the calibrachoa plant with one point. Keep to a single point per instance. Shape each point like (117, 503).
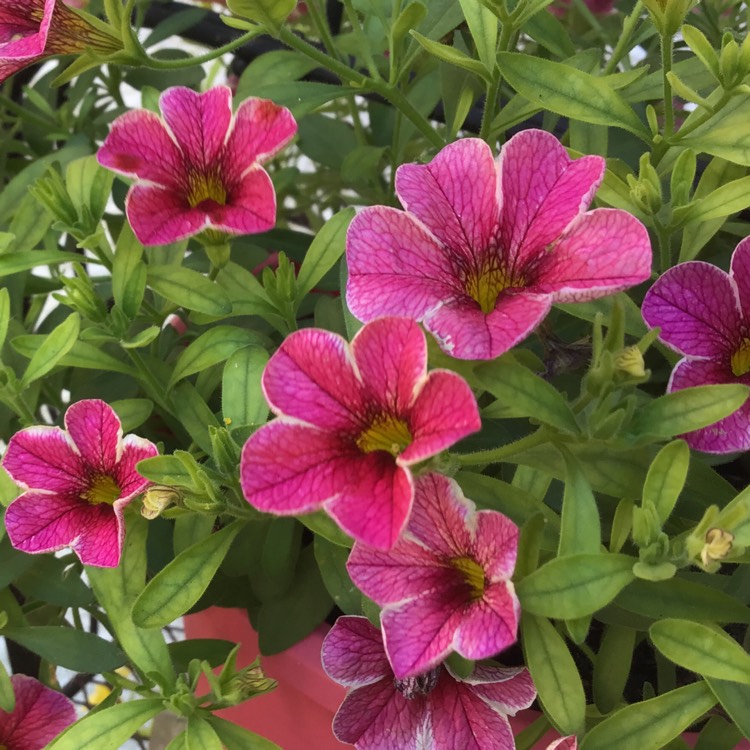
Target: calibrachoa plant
(417, 330)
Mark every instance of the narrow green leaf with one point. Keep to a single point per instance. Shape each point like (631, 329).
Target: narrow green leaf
(81, 354)
(451, 55)
(167, 470)
(735, 699)
(195, 414)
(11, 263)
(242, 399)
(236, 737)
(133, 412)
(702, 648)
(409, 18)
(724, 134)
(7, 696)
(666, 477)
(189, 289)
(175, 588)
(575, 586)
(200, 735)
(725, 200)
(271, 13)
(612, 666)
(213, 650)
(4, 314)
(483, 27)
(580, 529)
(55, 346)
(323, 525)
(652, 723)
(331, 560)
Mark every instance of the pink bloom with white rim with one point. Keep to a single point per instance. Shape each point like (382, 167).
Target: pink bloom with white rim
(77, 484)
(352, 419)
(445, 585)
(40, 714)
(564, 743)
(704, 314)
(200, 167)
(434, 711)
(484, 247)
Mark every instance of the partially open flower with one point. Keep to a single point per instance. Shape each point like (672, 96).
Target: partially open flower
(718, 545)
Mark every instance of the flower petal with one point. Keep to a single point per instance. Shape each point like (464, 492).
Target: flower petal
(445, 411)
(604, 251)
(199, 122)
(495, 544)
(455, 196)
(395, 266)
(391, 357)
(250, 208)
(695, 305)
(727, 435)
(101, 542)
(542, 190)
(134, 449)
(509, 689)
(566, 743)
(490, 625)
(311, 377)
(96, 431)
(160, 216)
(740, 273)
(45, 458)
(465, 332)
(353, 652)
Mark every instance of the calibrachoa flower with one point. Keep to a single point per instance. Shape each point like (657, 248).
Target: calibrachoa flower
(352, 420)
(434, 711)
(39, 716)
(484, 248)
(31, 30)
(77, 484)
(704, 314)
(200, 167)
(445, 586)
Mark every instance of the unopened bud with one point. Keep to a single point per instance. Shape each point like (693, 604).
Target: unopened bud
(630, 361)
(718, 544)
(246, 684)
(157, 499)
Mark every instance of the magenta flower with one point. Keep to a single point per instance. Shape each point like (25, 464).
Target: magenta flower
(484, 248)
(564, 743)
(352, 420)
(433, 710)
(31, 30)
(704, 314)
(199, 168)
(445, 586)
(39, 716)
(77, 484)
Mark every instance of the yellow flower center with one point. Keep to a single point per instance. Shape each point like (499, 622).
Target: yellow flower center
(206, 188)
(473, 575)
(386, 433)
(485, 285)
(740, 360)
(103, 489)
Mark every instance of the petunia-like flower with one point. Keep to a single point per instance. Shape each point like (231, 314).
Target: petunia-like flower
(704, 314)
(40, 714)
(32, 30)
(200, 167)
(352, 420)
(445, 586)
(483, 249)
(77, 484)
(433, 711)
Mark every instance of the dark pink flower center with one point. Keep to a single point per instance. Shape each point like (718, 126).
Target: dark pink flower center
(102, 489)
(473, 575)
(740, 360)
(385, 433)
(206, 191)
(413, 687)
(484, 285)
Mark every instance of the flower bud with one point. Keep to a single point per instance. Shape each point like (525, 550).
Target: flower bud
(157, 499)
(629, 361)
(718, 544)
(246, 684)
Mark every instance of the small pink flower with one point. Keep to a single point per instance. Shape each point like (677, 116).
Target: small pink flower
(39, 716)
(565, 743)
(352, 420)
(31, 30)
(704, 314)
(200, 167)
(485, 248)
(445, 586)
(433, 710)
(77, 484)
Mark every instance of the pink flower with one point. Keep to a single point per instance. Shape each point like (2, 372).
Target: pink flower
(352, 420)
(445, 586)
(433, 710)
(31, 30)
(78, 483)
(565, 743)
(39, 716)
(704, 314)
(199, 168)
(484, 248)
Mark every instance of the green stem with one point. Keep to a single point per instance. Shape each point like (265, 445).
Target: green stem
(495, 455)
(621, 48)
(666, 67)
(362, 41)
(490, 102)
(157, 64)
(665, 247)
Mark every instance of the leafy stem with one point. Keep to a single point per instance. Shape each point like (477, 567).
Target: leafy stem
(495, 455)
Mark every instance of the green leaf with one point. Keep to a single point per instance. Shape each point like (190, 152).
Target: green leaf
(13, 562)
(734, 699)
(52, 580)
(301, 97)
(210, 348)
(652, 723)
(11, 263)
(242, 399)
(331, 559)
(569, 92)
(108, 729)
(4, 314)
(133, 412)
(724, 135)
(612, 666)
(451, 55)
(554, 673)
(688, 409)
(575, 586)
(175, 588)
(236, 737)
(141, 339)
(81, 354)
(666, 477)
(580, 529)
(168, 470)
(409, 18)
(213, 650)
(702, 648)
(68, 647)
(195, 414)
(55, 346)
(271, 13)
(189, 289)
(526, 394)
(323, 525)
(7, 696)
(483, 27)
(200, 735)
(324, 252)
(725, 200)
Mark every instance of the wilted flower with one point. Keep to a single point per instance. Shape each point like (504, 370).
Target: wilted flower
(718, 545)
(445, 586)
(351, 421)
(199, 168)
(77, 484)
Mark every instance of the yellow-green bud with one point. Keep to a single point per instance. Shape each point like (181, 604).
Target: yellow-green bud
(630, 361)
(157, 499)
(718, 544)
